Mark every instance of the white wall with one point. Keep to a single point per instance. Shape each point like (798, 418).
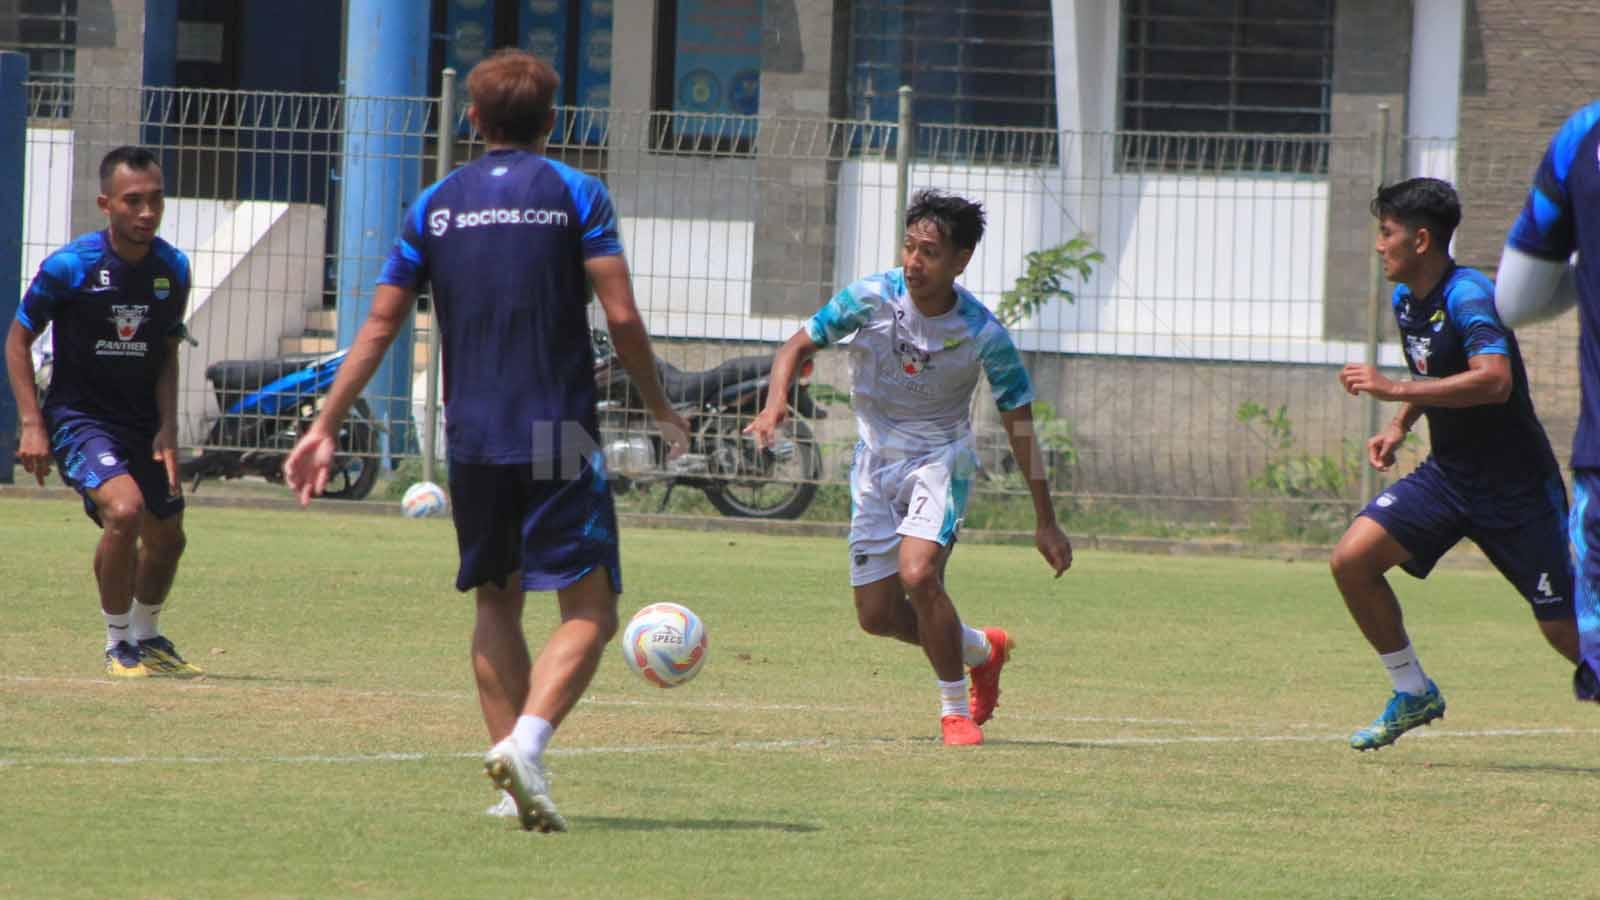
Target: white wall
(1433, 107)
(46, 197)
(1196, 267)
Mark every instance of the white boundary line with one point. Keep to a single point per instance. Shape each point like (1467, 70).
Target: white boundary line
(223, 684)
(766, 747)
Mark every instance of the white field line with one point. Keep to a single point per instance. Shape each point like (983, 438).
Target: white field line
(223, 684)
(761, 747)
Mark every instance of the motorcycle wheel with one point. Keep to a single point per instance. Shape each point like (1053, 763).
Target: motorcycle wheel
(777, 490)
(355, 468)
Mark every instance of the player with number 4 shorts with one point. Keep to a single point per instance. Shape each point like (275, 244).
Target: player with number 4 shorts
(1491, 478)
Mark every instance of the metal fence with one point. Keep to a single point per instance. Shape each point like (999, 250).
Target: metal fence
(1191, 374)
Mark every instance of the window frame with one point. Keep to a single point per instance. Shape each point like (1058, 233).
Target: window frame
(1226, 149)
(664, 134)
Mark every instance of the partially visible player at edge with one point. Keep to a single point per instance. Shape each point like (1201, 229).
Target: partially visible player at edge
(1491, 478)
(531, 504)
(917, 344)
(110, 416)
(1536, 281)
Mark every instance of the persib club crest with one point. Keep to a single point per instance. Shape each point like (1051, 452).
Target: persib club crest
(913, 359)
(162, 287)
(128, 319)
(1419, 348)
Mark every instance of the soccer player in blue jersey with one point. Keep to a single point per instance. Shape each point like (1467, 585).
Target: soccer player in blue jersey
(510, 244)
(110, 417)
(918, 343)
(1536, 281)
(1491, 478)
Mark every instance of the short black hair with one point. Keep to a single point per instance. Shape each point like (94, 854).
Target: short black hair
(135, 158)
(1429, 203)
(957, 218)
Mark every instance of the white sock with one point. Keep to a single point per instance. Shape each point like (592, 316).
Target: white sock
(953, 698)
(116, 628)
(145, 625)
(1405, 671)
(974, 646)
(532, 734)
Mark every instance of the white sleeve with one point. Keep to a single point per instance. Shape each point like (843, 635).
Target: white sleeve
(1529, 289)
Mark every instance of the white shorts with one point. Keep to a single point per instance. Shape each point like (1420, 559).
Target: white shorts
(915, 496)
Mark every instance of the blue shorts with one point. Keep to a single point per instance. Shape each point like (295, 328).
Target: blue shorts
(1585, 531)
(552, 530)
(91, 452)
(1524, 533)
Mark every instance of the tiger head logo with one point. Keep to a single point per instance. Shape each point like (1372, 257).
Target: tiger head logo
(128, 319)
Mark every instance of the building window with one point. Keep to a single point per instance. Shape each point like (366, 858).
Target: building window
(1225, 67)
(969, 62)
(47, 31)
(573, 36)
(708, 75)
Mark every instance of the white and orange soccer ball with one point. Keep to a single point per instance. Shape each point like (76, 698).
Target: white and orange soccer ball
(665, 644)
(424, 499)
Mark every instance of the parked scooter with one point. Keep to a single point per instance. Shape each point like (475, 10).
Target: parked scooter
(266, 405)
(739, 478)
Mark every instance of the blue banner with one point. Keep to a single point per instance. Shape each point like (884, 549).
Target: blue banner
(542, 31)
(718, 63)
(469, 36)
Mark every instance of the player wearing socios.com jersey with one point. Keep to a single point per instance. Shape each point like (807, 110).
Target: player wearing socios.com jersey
(1536, 281)
(115, 301)
(917, 344)
(509, 244)
(1491, 478)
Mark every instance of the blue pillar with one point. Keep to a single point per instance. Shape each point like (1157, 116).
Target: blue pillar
(385, 81)
(13, 148)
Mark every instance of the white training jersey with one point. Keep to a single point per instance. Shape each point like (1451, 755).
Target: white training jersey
(912, 377)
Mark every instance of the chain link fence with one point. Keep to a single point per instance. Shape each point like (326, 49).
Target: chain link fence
(1189, 376)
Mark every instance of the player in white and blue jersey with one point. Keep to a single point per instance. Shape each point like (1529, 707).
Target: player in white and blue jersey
(918, 343)
(115, 299)
(510, 244)
(1491, 478)
(1537, 281)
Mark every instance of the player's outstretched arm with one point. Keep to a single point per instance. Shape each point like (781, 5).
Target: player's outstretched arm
(34, 450)
(613, 287)
(794, 352)
(1047, 535)
(306, 469)
(1486, 382)
(1528, 289)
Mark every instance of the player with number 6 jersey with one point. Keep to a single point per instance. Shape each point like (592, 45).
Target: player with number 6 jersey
(114, 301)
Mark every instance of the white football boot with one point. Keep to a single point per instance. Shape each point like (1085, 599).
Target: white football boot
(527, 784)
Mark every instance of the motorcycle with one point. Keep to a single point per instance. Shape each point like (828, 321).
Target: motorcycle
(737, 477)
(266, 405)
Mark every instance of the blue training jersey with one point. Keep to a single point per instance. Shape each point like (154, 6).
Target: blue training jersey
(503, 242)
(1486, 447)
(113, 324)
(1562, 215)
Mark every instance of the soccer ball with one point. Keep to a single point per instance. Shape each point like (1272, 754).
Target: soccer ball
(665, 644)
(424, 499)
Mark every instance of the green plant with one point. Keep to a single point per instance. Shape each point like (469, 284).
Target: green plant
(1047, 277)
(1319, 483)
(827, 394)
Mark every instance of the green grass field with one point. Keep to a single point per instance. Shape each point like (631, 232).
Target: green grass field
(1171, 727)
